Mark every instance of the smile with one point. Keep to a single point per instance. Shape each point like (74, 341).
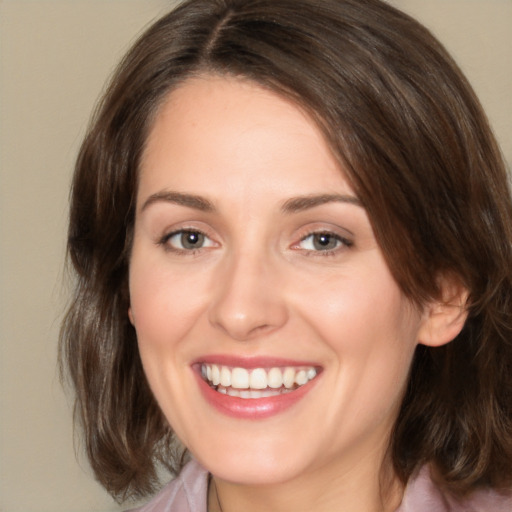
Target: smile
(256, 382)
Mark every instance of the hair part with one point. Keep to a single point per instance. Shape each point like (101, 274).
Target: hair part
(416, 147)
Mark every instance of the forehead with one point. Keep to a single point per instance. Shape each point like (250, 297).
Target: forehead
(237, 131)
(203, 104)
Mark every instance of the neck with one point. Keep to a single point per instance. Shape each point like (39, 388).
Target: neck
(360, 489)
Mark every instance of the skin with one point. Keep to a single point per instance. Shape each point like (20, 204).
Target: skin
(259, 286)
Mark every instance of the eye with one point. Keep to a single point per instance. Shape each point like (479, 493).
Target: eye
(187, 240)
(323, 241)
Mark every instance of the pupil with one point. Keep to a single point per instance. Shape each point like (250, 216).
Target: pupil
(192, 240)
(324, 241)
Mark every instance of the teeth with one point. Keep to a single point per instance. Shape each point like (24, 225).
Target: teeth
(215, 375)
(258, 382)
(225, 377)
(239, 378)
(275, 378)
(288, 377)
(301, 378)
(258, 379)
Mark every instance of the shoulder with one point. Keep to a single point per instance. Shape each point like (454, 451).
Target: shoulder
(186, 493)
(423, 495)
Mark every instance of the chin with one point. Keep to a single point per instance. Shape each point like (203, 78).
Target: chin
(259, 463)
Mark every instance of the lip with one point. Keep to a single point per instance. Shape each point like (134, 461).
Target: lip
(253, 408)
(252, 361)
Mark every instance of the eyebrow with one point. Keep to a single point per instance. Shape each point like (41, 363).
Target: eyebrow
(298, 204)
(188, 200)
(293, 205)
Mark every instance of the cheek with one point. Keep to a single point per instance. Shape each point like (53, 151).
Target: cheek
(164, 310)
(371, 331)
(363, 306)
(163, 306)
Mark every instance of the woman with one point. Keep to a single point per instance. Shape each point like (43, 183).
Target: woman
(291, 228)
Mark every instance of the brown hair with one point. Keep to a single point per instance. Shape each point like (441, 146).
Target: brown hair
(418, 150)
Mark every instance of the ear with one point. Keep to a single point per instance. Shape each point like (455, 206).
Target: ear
(130, 316)
(443, 319)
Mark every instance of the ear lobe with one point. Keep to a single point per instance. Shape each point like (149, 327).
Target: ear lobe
(130, 316)
(444, 319)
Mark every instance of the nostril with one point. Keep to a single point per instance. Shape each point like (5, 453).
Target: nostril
(245, 322)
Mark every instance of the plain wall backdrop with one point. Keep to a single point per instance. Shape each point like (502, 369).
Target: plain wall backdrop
(55, 58)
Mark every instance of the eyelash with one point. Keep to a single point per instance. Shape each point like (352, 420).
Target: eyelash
(344, 243)
(164, 241)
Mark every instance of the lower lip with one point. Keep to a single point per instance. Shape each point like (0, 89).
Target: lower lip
(252, 408)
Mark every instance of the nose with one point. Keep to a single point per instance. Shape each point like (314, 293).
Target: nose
(248, 300)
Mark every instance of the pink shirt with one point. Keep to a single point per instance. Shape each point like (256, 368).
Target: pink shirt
(188, 492)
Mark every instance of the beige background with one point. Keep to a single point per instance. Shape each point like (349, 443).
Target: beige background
(55, 56)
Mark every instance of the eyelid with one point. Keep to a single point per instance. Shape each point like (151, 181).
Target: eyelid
(346, 242)
(169, 234)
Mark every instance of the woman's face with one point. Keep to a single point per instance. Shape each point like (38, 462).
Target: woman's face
(271, 331)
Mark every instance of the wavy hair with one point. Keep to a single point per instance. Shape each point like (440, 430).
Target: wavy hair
(418, 151)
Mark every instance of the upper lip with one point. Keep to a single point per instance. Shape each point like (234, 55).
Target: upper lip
(252, 361)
